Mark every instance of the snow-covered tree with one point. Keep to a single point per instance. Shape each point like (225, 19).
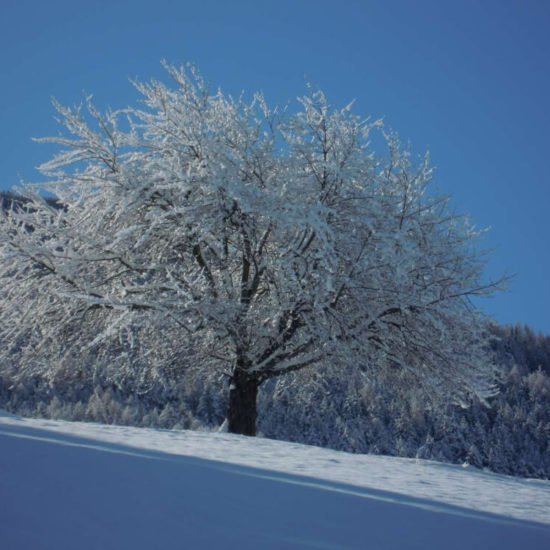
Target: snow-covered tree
(218, 233)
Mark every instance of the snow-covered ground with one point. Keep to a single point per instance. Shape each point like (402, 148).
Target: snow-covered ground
(82, 486)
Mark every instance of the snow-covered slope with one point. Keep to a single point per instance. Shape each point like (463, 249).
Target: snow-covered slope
(87, 486)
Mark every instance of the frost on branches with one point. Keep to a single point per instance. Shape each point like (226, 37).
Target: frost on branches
(219, 233)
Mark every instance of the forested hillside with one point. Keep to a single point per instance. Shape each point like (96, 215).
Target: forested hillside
(331, 407)
(341, 408)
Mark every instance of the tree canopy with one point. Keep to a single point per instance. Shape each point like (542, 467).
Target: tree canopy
(252, 241)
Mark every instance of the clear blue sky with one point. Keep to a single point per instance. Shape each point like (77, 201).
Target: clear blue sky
(468, 79)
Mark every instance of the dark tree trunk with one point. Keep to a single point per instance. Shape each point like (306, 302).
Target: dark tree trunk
(241, 417)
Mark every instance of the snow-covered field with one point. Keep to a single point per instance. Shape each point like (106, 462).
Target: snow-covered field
(86, 486)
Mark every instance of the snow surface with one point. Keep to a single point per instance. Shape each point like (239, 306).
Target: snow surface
(70, 485)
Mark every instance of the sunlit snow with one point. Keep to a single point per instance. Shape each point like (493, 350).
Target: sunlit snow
(88, 486)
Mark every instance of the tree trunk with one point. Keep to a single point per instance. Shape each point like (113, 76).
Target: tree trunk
(241, 417)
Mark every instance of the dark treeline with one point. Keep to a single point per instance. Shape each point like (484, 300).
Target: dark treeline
(10, 200)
